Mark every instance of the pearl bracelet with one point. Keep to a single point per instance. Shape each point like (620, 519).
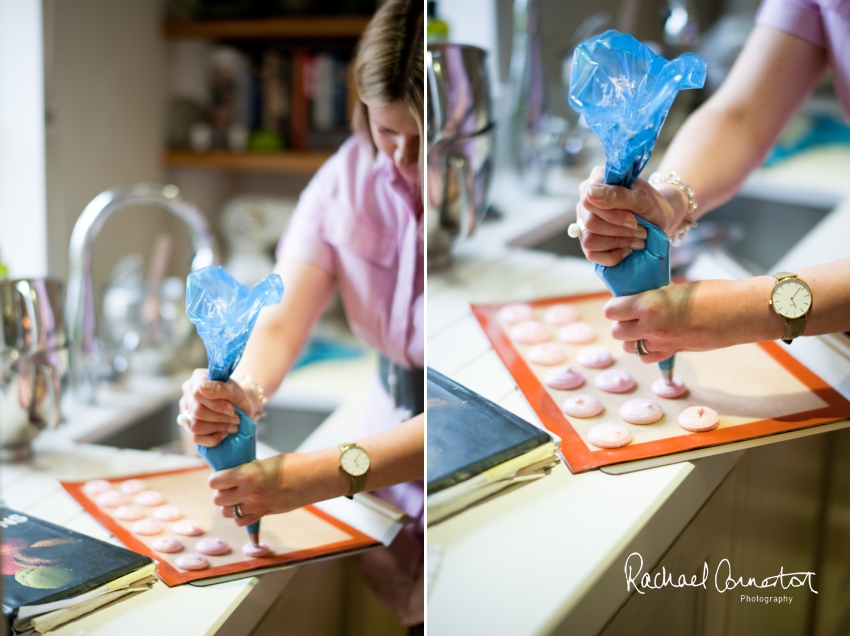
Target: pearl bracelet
(247, 382)
(674, 180)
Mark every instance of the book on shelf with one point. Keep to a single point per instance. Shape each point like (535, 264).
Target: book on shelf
(478, 450)
(52, 575)
(267, 99)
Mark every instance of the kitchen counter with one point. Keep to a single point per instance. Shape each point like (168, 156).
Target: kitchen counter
(566, 536)
(232, 607)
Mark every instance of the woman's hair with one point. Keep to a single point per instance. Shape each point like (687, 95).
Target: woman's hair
(390, 64)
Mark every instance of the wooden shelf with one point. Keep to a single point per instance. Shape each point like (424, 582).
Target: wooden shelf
(288, 162)
(303, 27)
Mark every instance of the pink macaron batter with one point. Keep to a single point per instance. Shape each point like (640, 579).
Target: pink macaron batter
(609, 435)
(615, 381)
(582, 406)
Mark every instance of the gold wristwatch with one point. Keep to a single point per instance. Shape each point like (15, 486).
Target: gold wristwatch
(354, 461)
(791, 298)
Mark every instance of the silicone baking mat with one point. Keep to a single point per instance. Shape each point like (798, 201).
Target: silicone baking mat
(757, 389)
(293, 536)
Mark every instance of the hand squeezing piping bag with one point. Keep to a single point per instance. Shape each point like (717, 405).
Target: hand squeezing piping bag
(624, 92)
(224, 313)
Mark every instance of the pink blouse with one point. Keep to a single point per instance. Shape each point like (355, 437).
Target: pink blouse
(358, 221)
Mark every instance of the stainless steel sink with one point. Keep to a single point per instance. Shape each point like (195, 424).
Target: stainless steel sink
(283, 429)
(755, 232)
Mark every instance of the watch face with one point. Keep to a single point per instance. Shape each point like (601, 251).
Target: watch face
(791, 298)
(354, 461)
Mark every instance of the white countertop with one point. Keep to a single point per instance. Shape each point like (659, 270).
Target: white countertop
(566, 536)
(235, 606)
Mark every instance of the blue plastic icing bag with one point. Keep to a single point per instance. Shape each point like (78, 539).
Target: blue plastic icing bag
(624, 92)
(224, 313)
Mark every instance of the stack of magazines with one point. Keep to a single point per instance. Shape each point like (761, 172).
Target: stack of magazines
(477, 450)
(53, 575)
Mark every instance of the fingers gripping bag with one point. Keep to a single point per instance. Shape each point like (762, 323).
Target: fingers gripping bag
(624, 92)
(224, 312)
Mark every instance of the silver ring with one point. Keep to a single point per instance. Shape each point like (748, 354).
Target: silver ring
(576, 228)
(237, 511)
(640, 348)
(184, 418)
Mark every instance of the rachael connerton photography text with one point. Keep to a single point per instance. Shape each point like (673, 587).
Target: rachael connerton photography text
(724, 580)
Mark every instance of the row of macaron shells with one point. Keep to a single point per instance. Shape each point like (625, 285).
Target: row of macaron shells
(640, 411)
(108, 497)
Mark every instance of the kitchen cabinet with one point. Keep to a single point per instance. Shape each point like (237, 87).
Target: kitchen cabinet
(782, 505)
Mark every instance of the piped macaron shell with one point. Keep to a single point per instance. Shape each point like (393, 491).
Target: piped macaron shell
(187, 528)
(147, 527)
(577, 333)
(516, 312)
(129, 512)
(561, 314)
(563, 378)
(133, 486)
(149, 498)
(111, 499)
(212, 546)
(96, 486)
(167, 545)
(595, 357)
(530, 332)
(609, 435)
(615, 381)
(546, 354)
(255, 550)
(192, 561)
(669, 389)
(168, 512)
(582, 406)
(699, 419)
(641, 411)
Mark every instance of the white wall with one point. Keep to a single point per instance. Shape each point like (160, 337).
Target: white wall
(23, 218)
(106, 82)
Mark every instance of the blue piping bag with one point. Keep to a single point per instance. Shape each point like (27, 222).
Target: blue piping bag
(624, 92)
(224, 313)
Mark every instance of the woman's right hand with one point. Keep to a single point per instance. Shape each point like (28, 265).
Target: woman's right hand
(209, 406)
(608, 212)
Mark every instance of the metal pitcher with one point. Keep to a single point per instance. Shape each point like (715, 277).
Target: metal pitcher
(33, 362)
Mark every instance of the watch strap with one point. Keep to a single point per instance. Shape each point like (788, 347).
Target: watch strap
(793, 328)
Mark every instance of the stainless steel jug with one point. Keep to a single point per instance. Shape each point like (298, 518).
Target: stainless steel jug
(33, 362)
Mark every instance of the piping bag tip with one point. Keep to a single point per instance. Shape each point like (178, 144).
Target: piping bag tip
(666, 367)
(254, 532)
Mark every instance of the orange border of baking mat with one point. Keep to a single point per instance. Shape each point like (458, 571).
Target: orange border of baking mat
(580, 458)
(172, 576)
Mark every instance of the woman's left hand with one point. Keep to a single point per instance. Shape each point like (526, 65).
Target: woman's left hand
(278, 484)
(697, 316)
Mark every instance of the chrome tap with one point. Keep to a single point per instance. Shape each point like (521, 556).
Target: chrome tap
(81, 315)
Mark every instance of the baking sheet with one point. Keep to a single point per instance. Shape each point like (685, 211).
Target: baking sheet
(302, 534)
(757, 389)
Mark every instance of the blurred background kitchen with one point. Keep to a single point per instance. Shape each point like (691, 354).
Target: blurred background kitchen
(188, 128)
(543, 150)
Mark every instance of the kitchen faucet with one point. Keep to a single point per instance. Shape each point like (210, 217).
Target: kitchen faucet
(80, 314)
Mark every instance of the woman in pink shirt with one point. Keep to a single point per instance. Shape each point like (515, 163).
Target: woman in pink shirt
(358, 228)
(792, 45)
